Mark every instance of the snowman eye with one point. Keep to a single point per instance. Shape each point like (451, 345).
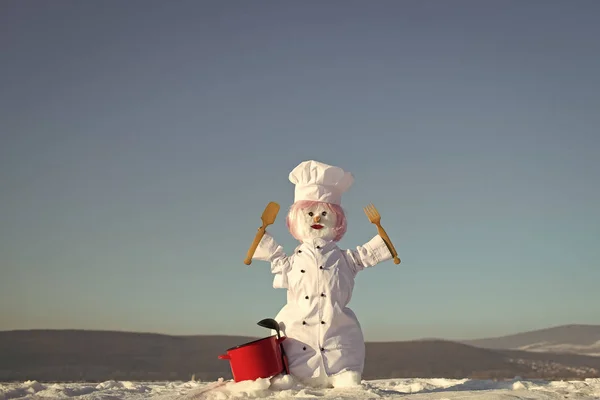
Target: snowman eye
(311, 213)
(324, 213)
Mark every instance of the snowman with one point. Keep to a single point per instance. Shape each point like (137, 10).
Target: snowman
(325, 344)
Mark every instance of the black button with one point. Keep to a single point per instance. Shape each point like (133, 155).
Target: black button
(304, 348)
(299, 251)
(321, 267)
(322, 295)
(303, 322)
(306, 297)
(303, 271)
(322, 349)
(318, 247)
(323, 322)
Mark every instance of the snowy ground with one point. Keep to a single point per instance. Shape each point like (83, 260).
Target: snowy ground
(377, 389)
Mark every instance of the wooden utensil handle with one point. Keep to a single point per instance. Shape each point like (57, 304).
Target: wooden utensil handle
(254, 245)
(388, 242)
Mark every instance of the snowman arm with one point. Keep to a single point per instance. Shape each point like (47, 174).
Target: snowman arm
(369, 254)
(269, 250)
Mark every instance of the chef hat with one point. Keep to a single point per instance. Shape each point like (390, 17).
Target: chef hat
(317, 181)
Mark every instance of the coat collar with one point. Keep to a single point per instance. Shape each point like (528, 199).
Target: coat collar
(317, 242)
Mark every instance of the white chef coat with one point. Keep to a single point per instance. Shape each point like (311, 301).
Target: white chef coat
(321, 331)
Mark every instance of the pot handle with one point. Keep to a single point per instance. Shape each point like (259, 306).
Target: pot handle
(281, 339)
(225, 357)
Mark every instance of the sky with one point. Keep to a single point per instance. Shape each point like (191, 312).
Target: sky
(140, 142)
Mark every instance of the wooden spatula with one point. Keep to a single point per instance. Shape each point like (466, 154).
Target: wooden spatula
(268, 217)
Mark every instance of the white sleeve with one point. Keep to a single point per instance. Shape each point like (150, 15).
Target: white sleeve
(268, 250)
(370, 254)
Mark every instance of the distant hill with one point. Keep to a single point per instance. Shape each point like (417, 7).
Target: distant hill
(78, 355)
(75, 355)
(569, 339)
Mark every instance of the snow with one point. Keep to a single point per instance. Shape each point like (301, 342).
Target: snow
(285, 388)
(590, 350)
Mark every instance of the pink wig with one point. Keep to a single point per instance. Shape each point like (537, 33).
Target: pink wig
(340, 226)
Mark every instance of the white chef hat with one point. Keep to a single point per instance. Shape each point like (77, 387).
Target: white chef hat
(317, 181)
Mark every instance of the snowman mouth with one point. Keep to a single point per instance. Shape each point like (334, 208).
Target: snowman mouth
(316, 226)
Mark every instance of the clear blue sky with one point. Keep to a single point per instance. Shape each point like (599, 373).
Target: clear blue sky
(141, 140)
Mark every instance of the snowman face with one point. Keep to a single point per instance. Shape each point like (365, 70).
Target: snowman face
(315, 221)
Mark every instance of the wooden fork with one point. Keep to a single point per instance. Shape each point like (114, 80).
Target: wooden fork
(375, 218)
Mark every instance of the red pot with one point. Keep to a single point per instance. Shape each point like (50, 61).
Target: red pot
(257, 359)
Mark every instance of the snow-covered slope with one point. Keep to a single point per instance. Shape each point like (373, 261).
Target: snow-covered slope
(573, 339)
(549, 347)
(376, 389)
